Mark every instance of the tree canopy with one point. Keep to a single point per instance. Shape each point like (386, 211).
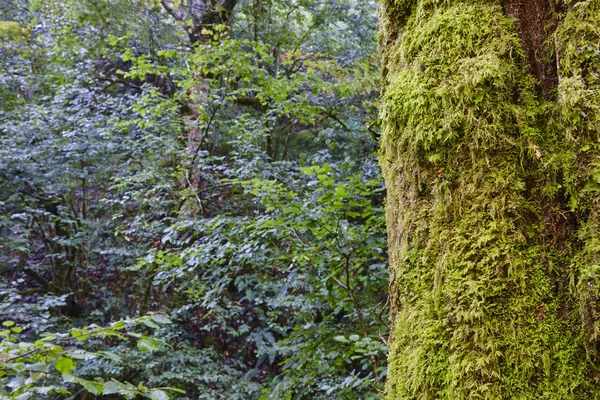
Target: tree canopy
(190, 202)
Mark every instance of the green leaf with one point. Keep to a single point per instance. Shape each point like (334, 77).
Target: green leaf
(161, 319)
(45, 390)
(148, 344)
(79, 354)
(150, 324)
(38, 367)
(354, 338)
(8, 323)
(64, 365)
(111, 356)
(341, 339)
(79, 335)
(92, 387)
(118, 325)
(34, 376)
(159, 395)
(110, 388)
(115, 387)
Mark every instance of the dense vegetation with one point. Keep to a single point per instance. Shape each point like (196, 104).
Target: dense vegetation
(190, 203)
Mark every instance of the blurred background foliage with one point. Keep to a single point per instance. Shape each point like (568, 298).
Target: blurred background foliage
(203, 173)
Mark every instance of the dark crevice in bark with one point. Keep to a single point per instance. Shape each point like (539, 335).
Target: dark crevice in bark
(535, 19)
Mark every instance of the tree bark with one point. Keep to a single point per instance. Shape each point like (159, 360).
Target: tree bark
(490, 152)
(203, 15)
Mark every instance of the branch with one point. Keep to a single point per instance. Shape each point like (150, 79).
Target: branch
(187, 178)
(178, 15)
(36, 276)
(248, 102)
(122, 82)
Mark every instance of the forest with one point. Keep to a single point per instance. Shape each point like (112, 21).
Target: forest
(300, 199)
(190, 201)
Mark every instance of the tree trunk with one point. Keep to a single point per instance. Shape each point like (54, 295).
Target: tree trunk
(200, 17)
(490, 152)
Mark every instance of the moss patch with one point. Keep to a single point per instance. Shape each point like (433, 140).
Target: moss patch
(12, 31)
(492, 233)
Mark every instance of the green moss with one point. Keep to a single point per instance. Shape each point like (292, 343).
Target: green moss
(578, 46)
(12, 31)
(480, 170)
(578, 49)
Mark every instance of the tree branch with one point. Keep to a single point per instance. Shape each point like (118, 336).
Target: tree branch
(178, 15)
(36, 276)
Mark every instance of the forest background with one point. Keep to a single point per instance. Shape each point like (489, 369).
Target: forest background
(190, 203)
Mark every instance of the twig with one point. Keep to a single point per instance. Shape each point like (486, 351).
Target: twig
(193, 189)
(378, 316)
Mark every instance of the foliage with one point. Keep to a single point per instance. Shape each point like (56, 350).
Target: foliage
(46, 366)
(226, 179)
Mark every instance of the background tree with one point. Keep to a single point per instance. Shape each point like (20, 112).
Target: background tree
(490, 154)
(200, 17)
(211, 162)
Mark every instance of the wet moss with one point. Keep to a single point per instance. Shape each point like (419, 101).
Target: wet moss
(492, 233)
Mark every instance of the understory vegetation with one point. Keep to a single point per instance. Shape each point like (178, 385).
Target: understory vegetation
(190, 201)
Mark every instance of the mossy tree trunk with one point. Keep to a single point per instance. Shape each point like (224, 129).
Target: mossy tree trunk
(200, 17)
(491, 156)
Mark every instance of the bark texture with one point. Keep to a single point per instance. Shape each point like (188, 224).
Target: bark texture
(200, 16)
(491, 156)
